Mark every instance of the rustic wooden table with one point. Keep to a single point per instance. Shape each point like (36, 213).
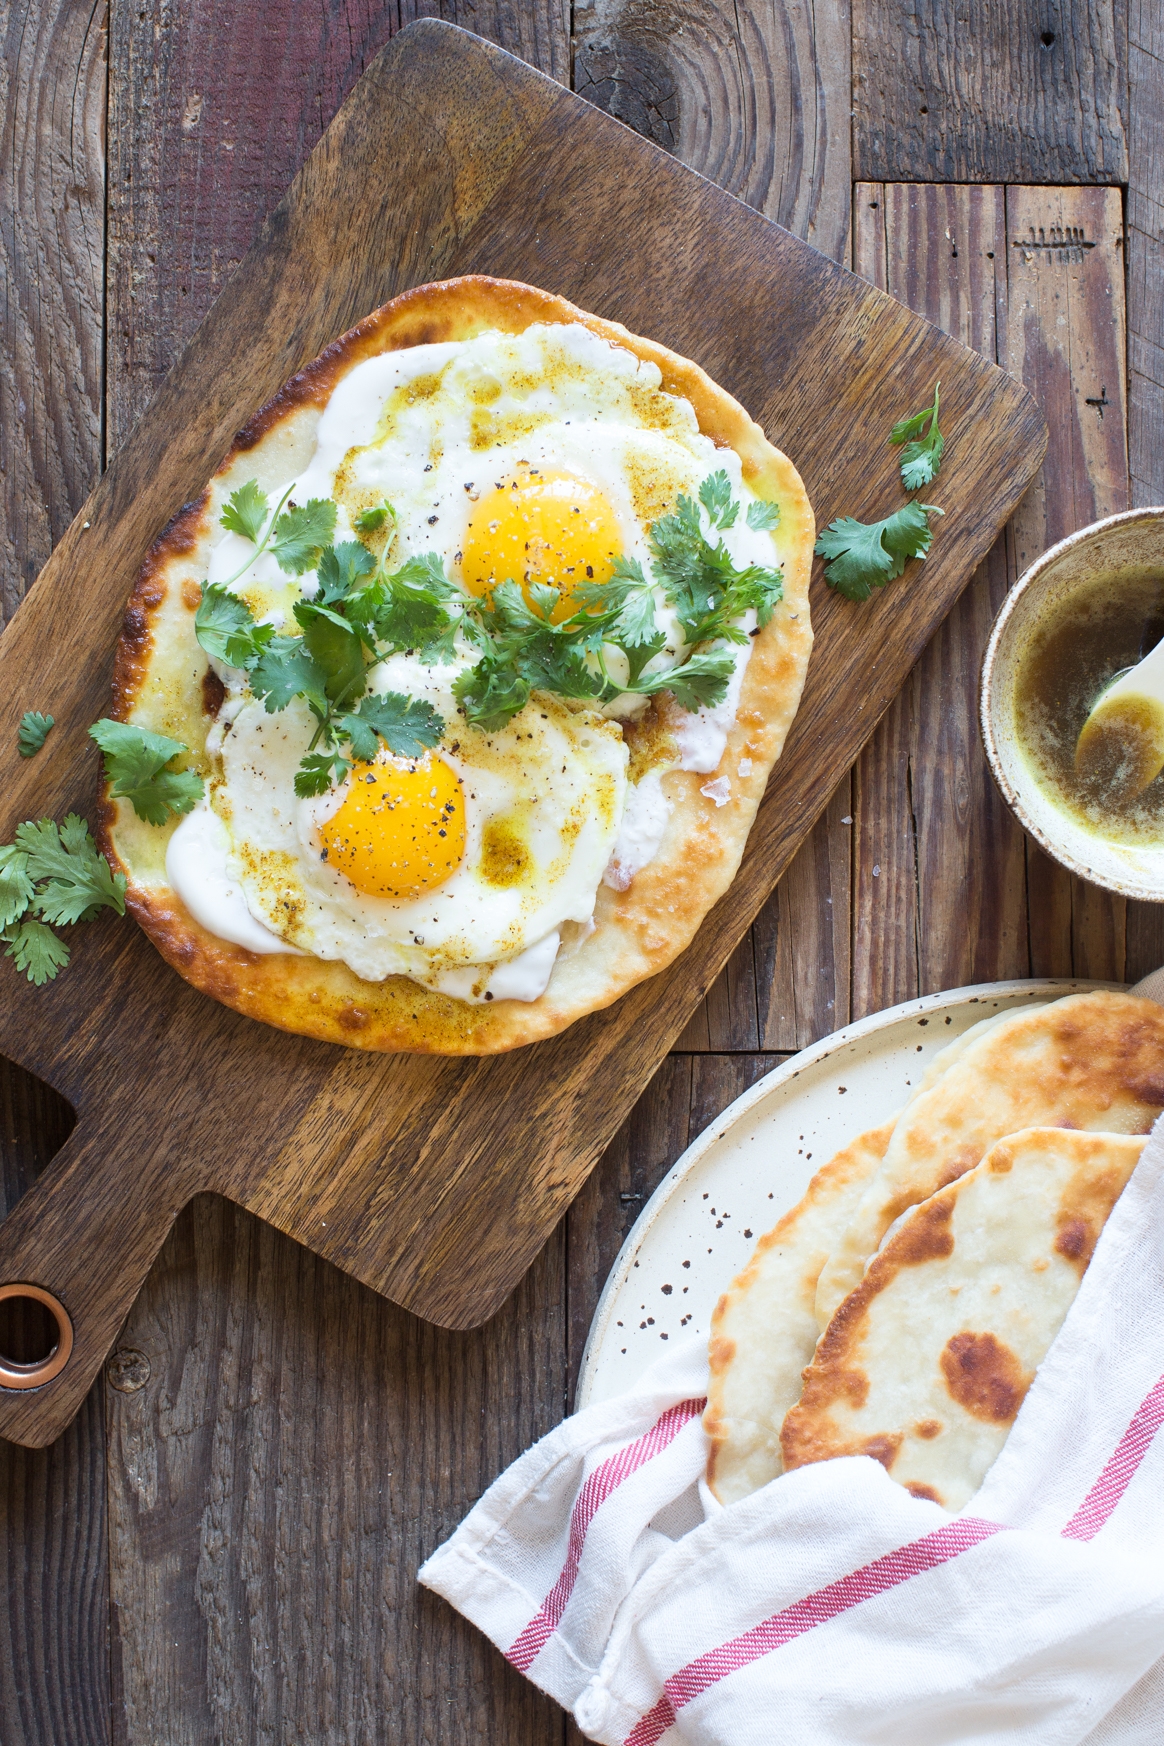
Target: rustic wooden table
(223, 1546)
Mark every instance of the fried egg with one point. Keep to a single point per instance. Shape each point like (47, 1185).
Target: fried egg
(489, 845)
(539, 458)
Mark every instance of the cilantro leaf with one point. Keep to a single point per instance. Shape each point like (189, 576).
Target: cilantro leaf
(632, 626)
(715, 494)
(301, 533)
(920, 462)
(427, 571)
(862, 556)
(136, 764)
(340, 568)
(763, 515)
(407, 725)
(36, 949)
(32, 732)
(285, 670)
(921, 456)
(317, 771)
(542, 655)
(336, 650)
(77, 877)
(51, 873)
(492, 692)
(410, 614)
(699, 683)
(246, 511)
(371, 520)
(226, 629)
(15, 884)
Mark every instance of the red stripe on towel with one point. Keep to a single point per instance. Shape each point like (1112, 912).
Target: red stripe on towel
(602, 1482)
(872, 1579)
(1117, 1475)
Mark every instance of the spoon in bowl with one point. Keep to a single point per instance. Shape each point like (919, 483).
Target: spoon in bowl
(1120, 748)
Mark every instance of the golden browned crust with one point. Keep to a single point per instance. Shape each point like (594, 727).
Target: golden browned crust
(640, 931)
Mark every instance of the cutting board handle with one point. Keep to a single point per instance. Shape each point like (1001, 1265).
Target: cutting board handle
(87, 1285)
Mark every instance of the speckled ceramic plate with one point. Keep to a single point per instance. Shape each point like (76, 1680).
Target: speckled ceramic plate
(744, 1171)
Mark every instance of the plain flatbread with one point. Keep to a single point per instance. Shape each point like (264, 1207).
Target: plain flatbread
(926, 1364)
(764, 1328)
(1091, 1061)
(158, 683)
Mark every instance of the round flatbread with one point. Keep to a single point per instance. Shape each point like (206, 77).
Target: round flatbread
(164, 682)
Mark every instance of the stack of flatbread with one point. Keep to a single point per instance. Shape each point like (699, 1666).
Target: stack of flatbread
(902, 1309)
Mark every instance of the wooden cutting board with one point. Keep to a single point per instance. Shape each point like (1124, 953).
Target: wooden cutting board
(436, 1181)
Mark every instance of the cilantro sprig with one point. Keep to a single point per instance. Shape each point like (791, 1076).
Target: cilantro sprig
(921, 456)
(863, 555)
(527, 650)
(867, 555)
(296, 537)
(326, 664)
(51, 876)
(700, 580)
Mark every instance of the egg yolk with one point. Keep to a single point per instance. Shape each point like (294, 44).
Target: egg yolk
(400, 828)
(545, 526)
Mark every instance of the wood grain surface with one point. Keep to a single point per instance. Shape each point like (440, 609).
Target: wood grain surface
(989, 91)
(54, 1645)
(757, 98)
(444, 1205)
(393, 1666)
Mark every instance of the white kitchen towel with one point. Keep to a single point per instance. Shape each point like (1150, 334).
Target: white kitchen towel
(832, 1608)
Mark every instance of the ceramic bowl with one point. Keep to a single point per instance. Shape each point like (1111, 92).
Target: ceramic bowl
(1122, 546)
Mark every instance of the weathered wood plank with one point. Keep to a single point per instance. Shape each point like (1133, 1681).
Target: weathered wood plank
(1034, 277)
(801, 940)
(727, 1017)
(54, 1653)
(988, 91)
(942, 250)
(54, 1612)
(286, 1449)
(52, 215)
(757, 98)
(211, 117)
(1145, 219)
(777, 134)
(1064, 337)
(885, 922)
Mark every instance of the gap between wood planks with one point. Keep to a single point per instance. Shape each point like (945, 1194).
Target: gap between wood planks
(918, 862)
